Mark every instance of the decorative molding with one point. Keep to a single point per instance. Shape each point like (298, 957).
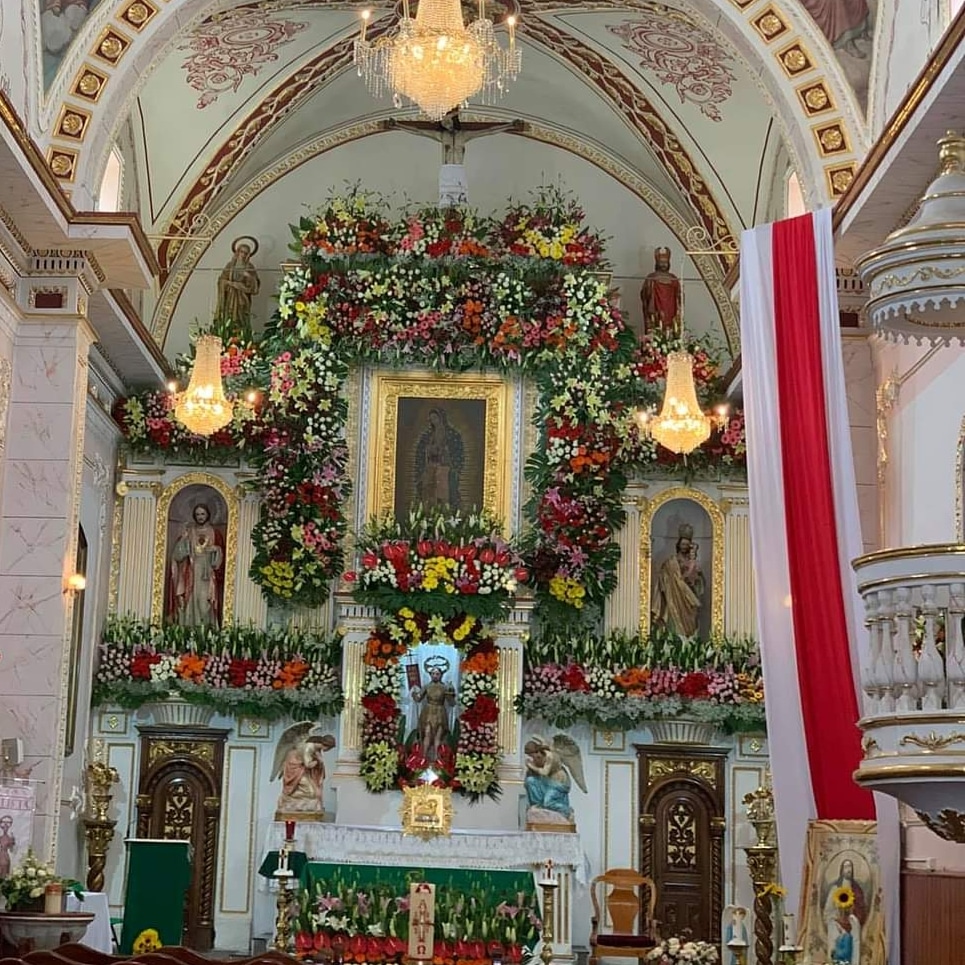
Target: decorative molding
(932, 742)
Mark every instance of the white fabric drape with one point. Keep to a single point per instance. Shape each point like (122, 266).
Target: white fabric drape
(793, 797)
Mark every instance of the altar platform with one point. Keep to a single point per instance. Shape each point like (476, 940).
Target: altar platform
(521, 851)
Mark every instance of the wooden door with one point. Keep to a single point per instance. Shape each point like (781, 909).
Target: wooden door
(681, 840)
(179, 798)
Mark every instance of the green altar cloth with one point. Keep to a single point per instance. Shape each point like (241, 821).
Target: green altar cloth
(462, 880)
(158, 878)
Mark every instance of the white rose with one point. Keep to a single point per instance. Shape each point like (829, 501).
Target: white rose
(31, 872)
(36, 892)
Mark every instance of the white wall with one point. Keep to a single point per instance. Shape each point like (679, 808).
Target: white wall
(16, 42)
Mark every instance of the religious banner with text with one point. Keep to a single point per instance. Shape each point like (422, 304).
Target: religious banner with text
(17, 805)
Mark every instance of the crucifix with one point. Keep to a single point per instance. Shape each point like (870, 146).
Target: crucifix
(453, 134)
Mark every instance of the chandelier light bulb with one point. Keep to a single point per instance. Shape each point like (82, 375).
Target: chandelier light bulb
(681, 425)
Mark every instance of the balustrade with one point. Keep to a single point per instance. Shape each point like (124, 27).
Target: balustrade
(913, 681)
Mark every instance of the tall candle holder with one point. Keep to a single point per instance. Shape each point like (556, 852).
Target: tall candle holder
(790, 954)
(549, 884)
(99, 778)
(762, 865)
(283, 875)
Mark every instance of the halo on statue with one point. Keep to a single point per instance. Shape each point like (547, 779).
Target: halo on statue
(252, 243)
(437, 662)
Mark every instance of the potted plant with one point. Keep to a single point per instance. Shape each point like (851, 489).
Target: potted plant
(673, 950)
(23, 890)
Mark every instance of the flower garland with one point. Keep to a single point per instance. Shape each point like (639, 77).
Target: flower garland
(235, 670)
(449, 290)
(619, 682)
(468, 760)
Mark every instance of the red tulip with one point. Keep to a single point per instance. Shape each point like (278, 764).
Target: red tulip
(374, 950)
(424, 547)
(496, 950)
(304, 942)
(514, 953)
(322, 941)
(477, 949)
(487, 555)
(462, 949)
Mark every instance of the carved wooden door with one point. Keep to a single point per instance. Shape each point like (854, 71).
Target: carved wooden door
(179, 798)
(681, 840)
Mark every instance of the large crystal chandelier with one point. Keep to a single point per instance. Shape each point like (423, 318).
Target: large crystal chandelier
(681, 425)
(435, 61)
(202, 407)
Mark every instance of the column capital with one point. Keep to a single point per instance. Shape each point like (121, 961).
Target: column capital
(57, 283)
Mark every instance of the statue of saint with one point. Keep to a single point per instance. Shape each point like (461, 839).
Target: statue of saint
(549, 768)
(660, 295)
(238, 283)
(196, 563)
(680, 586)
(299, 764)
(436, 698)
(439, 460)
(7, 843)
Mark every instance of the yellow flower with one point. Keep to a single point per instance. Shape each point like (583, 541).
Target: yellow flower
(148, 941)
(843, 898)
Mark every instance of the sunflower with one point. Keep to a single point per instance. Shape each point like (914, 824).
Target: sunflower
(843, 898)
(148, 941)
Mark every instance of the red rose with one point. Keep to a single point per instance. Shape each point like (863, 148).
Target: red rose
(575, 679)
(694, 686)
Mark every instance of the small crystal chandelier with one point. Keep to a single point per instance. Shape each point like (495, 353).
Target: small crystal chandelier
(435, 60)
(202, 408)
(681, 426)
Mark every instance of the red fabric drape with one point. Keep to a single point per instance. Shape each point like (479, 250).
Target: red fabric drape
(828, 701)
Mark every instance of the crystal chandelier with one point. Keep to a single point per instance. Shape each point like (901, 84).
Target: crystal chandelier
(681, 426)
(202, 408)
(435, 61)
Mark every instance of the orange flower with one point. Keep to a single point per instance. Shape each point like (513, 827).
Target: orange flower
(481, 663)
(381, 652)
(633, 679)
(191, 667)
(290, 675)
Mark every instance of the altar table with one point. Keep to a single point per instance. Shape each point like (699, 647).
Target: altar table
(98, 935)
(470, 850)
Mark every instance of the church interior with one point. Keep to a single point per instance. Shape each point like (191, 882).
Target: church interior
(448, 514)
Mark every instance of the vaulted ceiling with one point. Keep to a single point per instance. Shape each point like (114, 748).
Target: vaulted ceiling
(675, 124)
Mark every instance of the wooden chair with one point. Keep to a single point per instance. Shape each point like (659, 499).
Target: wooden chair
(633, 931)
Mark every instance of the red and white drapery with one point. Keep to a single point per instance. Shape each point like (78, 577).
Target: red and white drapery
(805, 531)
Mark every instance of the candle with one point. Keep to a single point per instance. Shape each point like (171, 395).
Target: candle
(405, 9)
(290, 831)
(482, 9)
(511, 23)
(54, 899)
(790, 932)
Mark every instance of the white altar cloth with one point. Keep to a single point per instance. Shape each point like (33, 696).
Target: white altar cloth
(482, 850)
(98, 934)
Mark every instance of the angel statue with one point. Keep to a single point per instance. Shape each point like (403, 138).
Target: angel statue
(299, 764)
(549, 768)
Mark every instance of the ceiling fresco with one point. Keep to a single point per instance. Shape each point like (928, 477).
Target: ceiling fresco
(698, 112)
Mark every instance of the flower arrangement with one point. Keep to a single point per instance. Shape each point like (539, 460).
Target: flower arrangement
(673, 950)
(451, 291)
(369, 923)
(618, 682)
(468, 759)
(267, 674)
(25, 885)
(438, 562)
(147, 941)
(551, 226)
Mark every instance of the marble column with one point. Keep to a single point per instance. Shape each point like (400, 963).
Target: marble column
(39, 506)
(622, 608)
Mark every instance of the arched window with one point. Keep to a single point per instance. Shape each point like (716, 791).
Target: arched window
(793, 196)
(109, 197)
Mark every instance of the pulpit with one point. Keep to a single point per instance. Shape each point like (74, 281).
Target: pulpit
(158, 878)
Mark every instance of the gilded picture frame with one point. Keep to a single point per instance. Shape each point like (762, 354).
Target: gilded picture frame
(162, 547)
(426, 811)
(842, 853)
(649, 513)
(477, 406)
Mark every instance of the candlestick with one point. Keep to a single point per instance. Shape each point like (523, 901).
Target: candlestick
(739, 948)
(790, 932)
(405, 9)
(511, 24)
(282, 913)
(289, 832)
(549, 884)
(482, 9)
(365, 23)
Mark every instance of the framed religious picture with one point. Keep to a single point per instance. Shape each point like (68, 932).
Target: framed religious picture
(440, 441)
(682, 564)
(194, 561)
(841, 915)
(426, 811)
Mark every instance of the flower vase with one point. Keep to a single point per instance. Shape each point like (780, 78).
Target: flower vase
(680, 730)
(30, 906)
(175, 711)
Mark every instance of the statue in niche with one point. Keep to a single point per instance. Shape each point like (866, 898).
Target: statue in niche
(680, 587)
(238, 284)
(549, 769)
(436, 698)
(301, 767)
(196, 567)
(660, 295)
